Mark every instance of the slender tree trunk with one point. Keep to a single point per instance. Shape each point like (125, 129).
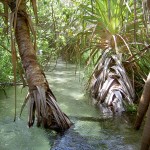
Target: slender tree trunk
(144, 103)
(41, 99)
(142, 109)
(145, 145)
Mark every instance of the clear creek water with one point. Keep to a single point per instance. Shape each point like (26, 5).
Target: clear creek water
(91, 131)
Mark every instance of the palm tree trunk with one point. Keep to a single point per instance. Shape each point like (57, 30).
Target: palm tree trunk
(41, 99)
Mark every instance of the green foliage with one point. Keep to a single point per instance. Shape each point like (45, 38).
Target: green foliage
(131, 108)
(117, 25)
(56, 28)
(78, 31)
(6, 74)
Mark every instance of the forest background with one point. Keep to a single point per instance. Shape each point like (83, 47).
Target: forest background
(80, 32)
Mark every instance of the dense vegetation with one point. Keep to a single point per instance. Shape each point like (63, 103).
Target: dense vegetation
(109, 38)
(79, 31)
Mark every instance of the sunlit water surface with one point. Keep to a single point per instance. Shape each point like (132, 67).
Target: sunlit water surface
(91, 131)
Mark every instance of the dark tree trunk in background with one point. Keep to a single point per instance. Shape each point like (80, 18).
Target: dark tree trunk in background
(144, 103)
(142, 109)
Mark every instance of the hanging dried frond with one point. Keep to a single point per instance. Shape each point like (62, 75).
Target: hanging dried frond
(47, 110)
(14, 55)
(110, 86)
(34, 5)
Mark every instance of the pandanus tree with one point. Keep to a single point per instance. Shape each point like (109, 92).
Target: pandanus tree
(41, 99)
(105, 29)
(109, 84)
(111, 43)
(108, 75)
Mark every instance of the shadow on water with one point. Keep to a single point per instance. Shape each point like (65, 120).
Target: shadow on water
(91, 130)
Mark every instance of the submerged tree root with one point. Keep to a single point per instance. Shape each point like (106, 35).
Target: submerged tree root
(43, 104)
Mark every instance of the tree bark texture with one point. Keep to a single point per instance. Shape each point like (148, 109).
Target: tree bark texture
(144, 104)
(41, 99)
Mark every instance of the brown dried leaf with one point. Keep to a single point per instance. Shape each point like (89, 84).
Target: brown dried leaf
(37, 104)
(109, 98)
(31, 111)
(105, 88)
(60, 115)
(42, 96)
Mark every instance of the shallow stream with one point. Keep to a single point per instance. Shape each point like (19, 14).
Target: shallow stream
(91, 130)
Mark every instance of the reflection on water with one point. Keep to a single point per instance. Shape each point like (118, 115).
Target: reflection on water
(90, 130)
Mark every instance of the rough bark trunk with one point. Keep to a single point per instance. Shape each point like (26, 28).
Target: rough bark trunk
(144, 103)
(41, 99)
